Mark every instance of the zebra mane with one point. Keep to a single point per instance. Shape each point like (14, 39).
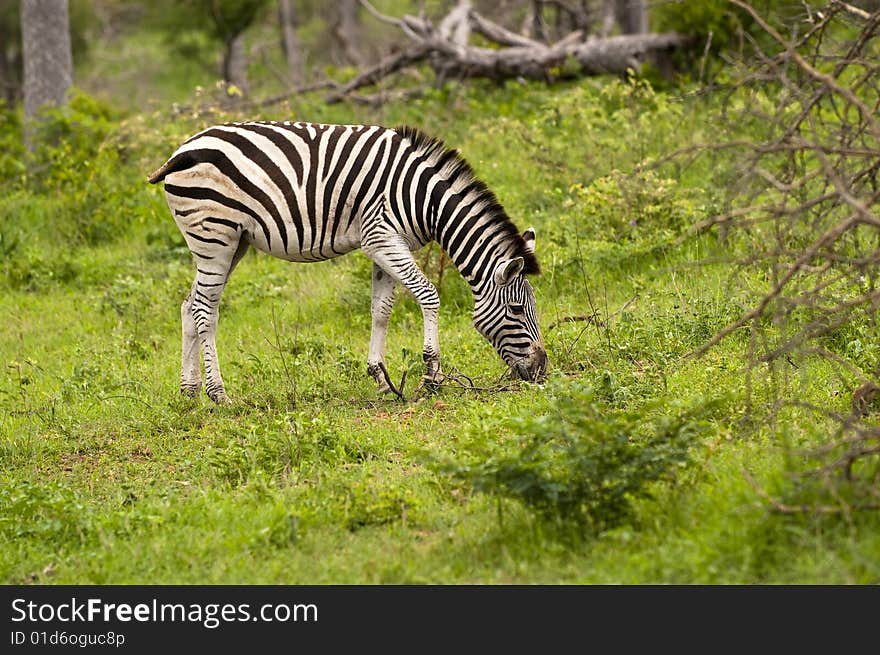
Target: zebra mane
(461, 178)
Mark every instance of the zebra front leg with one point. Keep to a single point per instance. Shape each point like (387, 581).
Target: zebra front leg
(394, 256)
(431, 347)
(380, 311)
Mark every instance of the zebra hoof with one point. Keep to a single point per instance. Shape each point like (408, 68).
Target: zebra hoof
(190, 390)
(220, 398)
(382, 382)
(430, 383)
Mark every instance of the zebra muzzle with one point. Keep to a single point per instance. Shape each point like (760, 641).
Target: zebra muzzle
(532, 368)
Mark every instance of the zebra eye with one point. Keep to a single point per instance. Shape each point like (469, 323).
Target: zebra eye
(516, 309)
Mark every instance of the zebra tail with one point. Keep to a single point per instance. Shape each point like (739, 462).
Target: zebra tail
(179, 162)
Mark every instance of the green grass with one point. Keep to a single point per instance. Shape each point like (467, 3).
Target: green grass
(108, 475)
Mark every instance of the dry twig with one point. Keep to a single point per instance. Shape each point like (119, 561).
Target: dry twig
(805, 201)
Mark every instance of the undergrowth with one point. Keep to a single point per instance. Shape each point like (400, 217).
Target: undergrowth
(627, 466)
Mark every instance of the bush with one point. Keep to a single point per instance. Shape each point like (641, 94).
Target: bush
(638, 208)
(81, 184)
(581, 462)
(11, 144)
(724, 28)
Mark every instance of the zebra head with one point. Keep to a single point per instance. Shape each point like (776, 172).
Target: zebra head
(505, 313)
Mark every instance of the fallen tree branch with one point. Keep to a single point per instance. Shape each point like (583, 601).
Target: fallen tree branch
(615, 54)
(242, 105)
(382, 97)
(500, 35)
(397, 391)
(387, 66)
(855, 11)
(447, 49)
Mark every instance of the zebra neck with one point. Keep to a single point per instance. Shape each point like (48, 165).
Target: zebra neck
(476, 241)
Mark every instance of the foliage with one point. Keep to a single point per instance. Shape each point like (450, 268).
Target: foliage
(194, 28)
(581, 462)
(719, 27)
(642, 208)
(618, 474)
(79, 185)
(230, 17)
(700, 18)
(11, 144)
(65, 138)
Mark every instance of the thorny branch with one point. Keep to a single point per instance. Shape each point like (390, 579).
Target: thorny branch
(805, 202)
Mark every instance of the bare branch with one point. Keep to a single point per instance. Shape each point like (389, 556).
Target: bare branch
(804, 220)
(825, 79)
(855, 11)
(387, 66)
(415, 28)
(784, 508)
(500, 35)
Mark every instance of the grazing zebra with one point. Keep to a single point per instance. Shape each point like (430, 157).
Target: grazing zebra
(307, 192)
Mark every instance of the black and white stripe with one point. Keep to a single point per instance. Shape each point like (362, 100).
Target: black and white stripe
(309, 192)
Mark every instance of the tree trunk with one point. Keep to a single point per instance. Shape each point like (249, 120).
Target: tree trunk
(608, 11)
(48, 63)
(347, 31)
(290, 41)
(10, 84)
(533, 25)
(632, 16)
(585, 20)
(235, 63)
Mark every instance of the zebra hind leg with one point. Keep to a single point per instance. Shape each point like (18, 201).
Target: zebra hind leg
(380, 311)
(203, 305)
(190, 369)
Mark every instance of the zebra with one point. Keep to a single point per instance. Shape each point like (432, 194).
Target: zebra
(308, 192)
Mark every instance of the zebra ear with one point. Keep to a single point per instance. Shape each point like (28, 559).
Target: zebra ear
(507, 271)
(529, 237)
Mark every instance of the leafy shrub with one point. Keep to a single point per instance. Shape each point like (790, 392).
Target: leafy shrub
(67, 137)
(11, 144)
(50, 512)
(638, 208)
(78, 181)
(581, 462)
(375, 502)
(699, 18)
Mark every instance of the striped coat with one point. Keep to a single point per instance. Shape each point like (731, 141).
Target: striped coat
(308, 192)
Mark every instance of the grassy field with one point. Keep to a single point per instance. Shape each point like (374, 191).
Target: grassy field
(108, 475)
